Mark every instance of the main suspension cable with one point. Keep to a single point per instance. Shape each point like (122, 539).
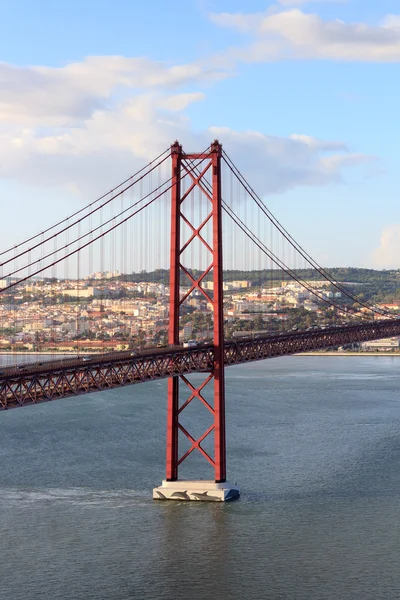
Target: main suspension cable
(66, 220)
(91, 241)
(276, 260)
(323, 272)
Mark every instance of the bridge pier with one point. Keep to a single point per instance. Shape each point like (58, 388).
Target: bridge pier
(205, 491)
(204, 174)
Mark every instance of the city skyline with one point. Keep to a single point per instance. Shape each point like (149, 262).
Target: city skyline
(301, 94)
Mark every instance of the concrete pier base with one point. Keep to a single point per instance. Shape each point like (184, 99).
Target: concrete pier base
(204, 491)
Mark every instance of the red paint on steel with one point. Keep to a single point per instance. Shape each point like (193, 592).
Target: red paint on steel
(219, 370)
(173, 335)
(183, 163)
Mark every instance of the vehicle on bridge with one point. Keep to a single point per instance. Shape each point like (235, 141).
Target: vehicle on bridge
(190, 344)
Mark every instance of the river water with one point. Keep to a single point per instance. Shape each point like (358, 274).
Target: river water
(313, 442)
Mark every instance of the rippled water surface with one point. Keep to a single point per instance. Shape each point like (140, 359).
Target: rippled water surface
(314, 444)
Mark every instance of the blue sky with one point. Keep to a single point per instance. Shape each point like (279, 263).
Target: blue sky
(303, 95)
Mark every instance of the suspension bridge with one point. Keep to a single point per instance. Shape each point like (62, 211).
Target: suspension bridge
(197, 219)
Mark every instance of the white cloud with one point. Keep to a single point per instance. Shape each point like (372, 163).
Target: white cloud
(87, 126)
(95, 152)
(387, 255)
(181, 101)
(57, 96)
(319, 145)
(293, 34)
(392, 22)
(274, 164)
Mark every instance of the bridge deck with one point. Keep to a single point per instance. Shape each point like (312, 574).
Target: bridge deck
(40, 382)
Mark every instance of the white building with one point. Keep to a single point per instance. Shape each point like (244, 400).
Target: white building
(385, 344)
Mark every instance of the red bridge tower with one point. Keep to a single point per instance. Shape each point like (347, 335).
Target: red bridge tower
(204, 173)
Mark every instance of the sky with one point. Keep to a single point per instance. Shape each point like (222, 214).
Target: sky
(303, 95)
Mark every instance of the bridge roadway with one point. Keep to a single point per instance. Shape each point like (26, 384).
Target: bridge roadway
(40, 382)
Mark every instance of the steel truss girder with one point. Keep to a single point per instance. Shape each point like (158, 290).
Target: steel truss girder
(38, 384)
(41, 385)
